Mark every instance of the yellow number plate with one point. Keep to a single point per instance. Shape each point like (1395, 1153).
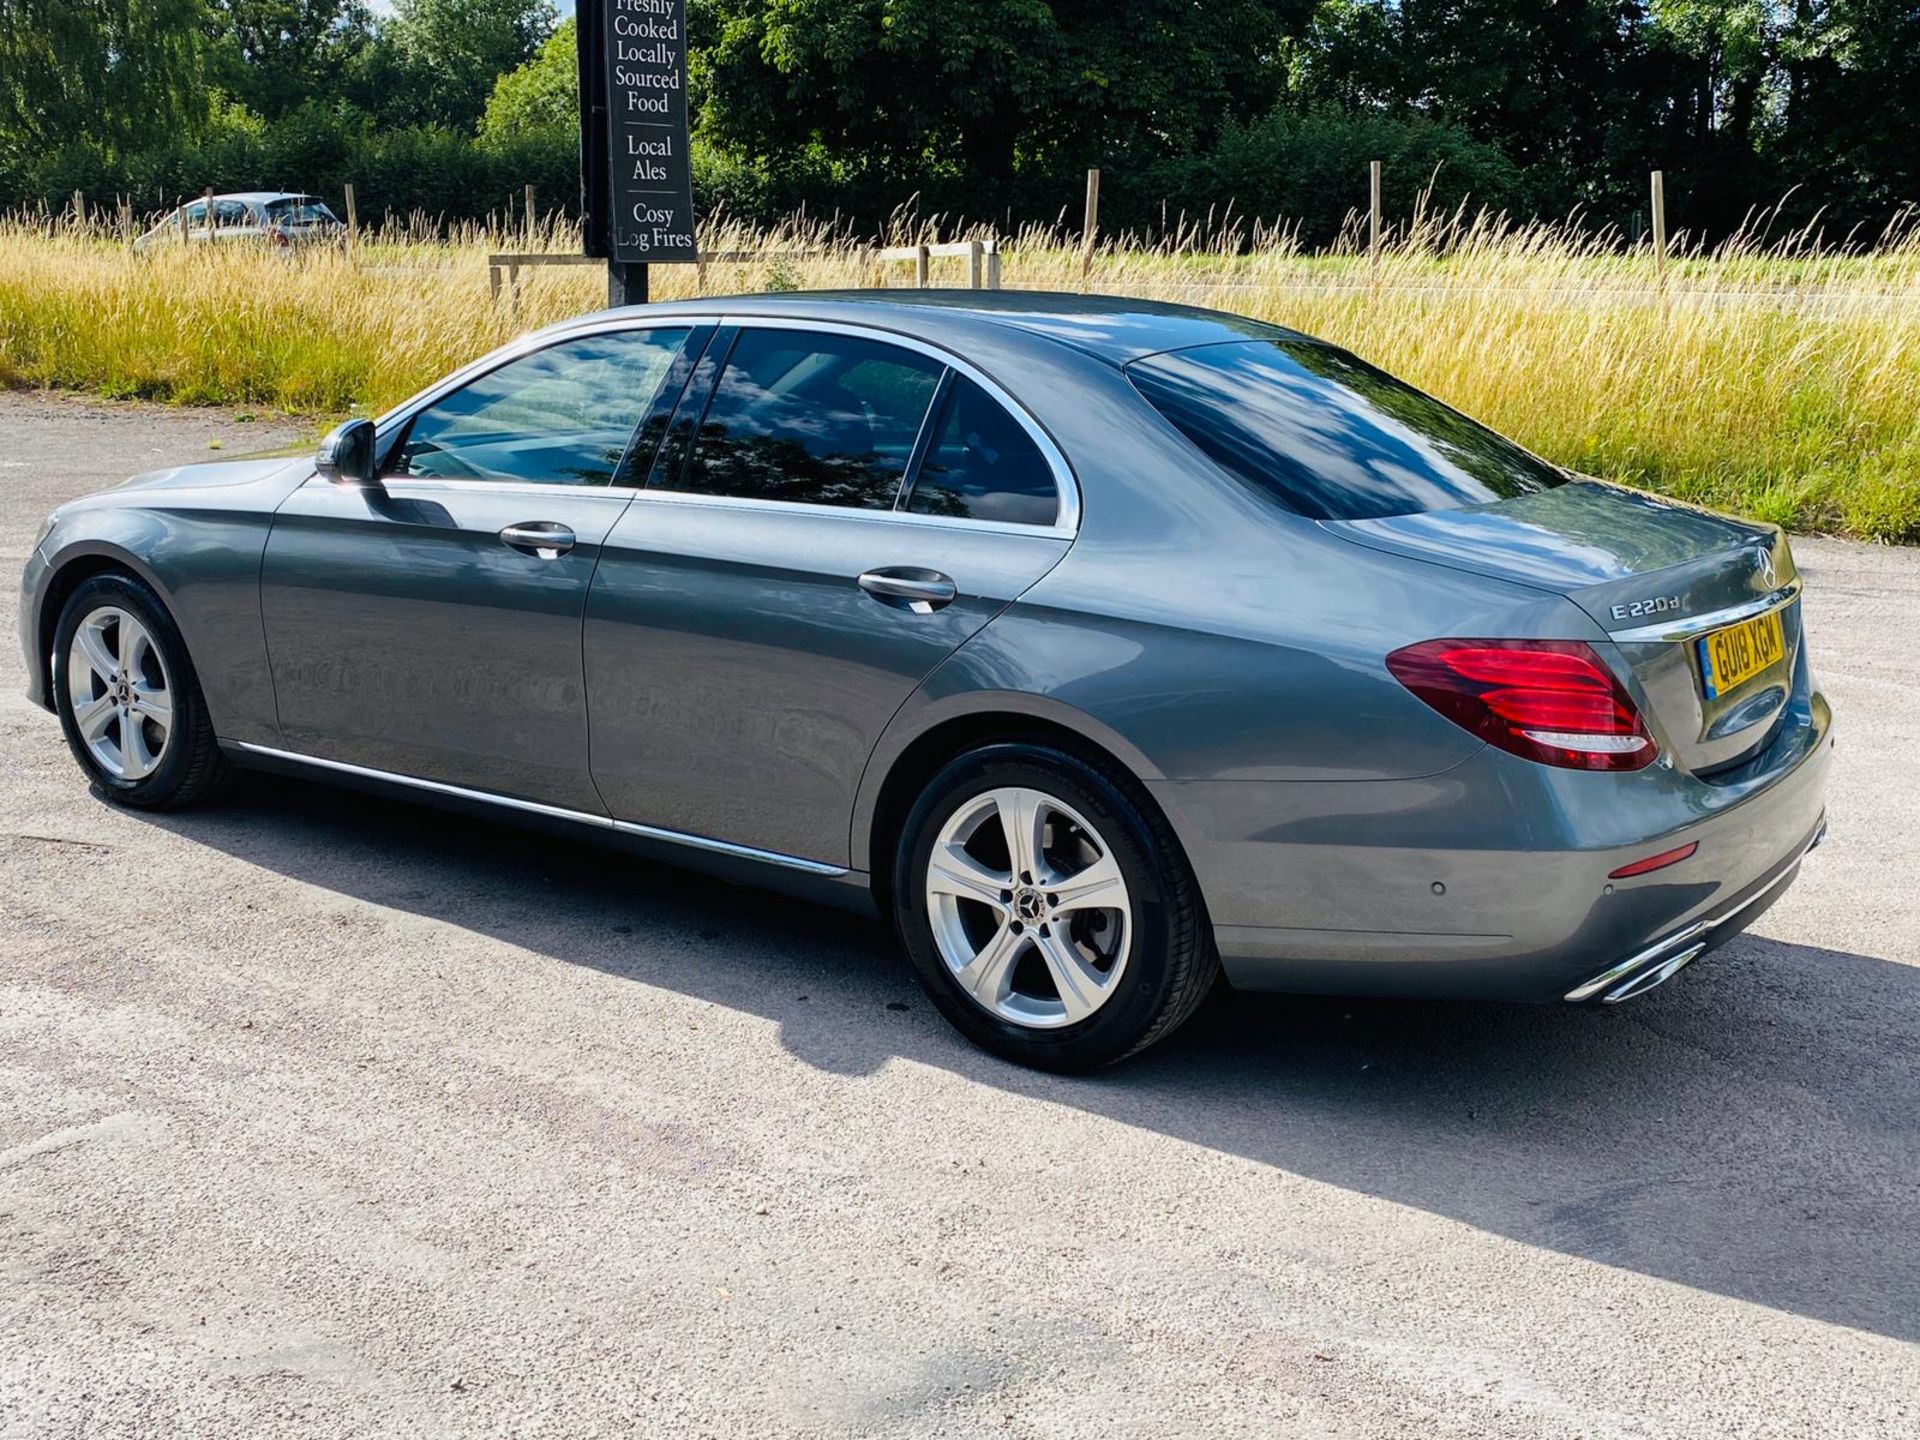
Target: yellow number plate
(1733, 656)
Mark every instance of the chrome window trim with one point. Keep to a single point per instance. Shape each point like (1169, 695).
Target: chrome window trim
(1066, 485)
(556, 812)
(1688, 629)
(438, 485)
(849, 512)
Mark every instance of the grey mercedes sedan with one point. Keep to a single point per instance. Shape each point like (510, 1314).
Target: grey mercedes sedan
(1104, 648)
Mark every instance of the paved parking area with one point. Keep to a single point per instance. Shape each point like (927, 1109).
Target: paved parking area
(326, 1116)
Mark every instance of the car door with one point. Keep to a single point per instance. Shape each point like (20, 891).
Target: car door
(783, 584)
(234, 220)
(429, 627)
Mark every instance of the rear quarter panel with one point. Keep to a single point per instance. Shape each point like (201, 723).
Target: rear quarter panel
(1199, 633)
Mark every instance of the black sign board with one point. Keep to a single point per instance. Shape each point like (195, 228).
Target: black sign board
(644, 213)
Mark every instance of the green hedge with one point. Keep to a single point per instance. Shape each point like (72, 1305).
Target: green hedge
(1307, 167)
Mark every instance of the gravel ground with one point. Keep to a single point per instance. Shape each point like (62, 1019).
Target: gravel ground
(326, 1116)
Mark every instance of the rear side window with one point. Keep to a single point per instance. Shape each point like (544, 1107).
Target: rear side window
(1330, 436)
(299, 210)
(560, 416)
(982, 464)
(815, 418)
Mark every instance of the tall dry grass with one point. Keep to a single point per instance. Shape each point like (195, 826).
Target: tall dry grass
(1776, 376)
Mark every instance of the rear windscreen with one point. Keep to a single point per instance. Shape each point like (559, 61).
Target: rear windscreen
(1328, 435)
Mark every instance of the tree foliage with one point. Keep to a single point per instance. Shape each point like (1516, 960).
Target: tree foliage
(115, 71)
(542, 96)
(990, 108)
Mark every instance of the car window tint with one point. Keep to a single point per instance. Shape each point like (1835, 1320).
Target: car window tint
(197, 212)
(231, 213)
(983, 464)
(1330, 436)
(823, 419)
(560, 416)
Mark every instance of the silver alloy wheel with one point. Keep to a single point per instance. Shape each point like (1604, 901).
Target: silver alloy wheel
(121, 693)
(1029, 909)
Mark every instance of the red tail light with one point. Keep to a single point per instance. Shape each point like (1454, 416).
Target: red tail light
(1554, 701)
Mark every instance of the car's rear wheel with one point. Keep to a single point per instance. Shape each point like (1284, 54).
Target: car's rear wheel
(1048, 909)
(128, 698)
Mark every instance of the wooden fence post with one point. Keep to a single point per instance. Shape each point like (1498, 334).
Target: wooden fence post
(353, 221)
(1659, 185)
(1089, 228)
(1373, 213)
(993, 264)
(975, 251)
(126, 219)
(183, 220)
(206, 195)
(530, 214)
(80, 209)
(921, 265)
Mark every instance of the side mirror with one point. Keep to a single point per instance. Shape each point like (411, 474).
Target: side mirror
(346, 456)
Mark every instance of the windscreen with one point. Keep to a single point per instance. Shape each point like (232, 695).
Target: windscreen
(1328, 435)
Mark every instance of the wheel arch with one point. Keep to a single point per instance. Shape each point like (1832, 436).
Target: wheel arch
(913, 749)
(67, 572)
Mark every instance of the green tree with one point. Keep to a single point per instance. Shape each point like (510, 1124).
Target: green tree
(112, 74)
(435, 61)
(1549, 82)
(542, 96)
(274, 55)
(979, 88)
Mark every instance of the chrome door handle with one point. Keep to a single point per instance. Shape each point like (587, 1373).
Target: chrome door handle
(908, 588)
(546, 539)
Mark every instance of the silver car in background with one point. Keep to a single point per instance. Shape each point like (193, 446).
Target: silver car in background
(1104, 648)
(268, 217)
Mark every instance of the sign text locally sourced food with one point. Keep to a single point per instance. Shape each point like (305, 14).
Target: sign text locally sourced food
(651, 216)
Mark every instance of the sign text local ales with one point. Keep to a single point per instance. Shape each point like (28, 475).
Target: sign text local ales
(651, 217)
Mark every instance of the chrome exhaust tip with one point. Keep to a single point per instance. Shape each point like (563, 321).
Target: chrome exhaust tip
(1654, 976)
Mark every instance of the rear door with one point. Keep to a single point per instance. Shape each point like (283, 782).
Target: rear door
(833, 514)
(430, 627)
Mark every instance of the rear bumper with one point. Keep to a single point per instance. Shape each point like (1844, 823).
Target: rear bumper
(1666, 957)
(1493, 880)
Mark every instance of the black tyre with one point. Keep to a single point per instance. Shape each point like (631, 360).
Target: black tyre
(128, 698)
(1048, 909)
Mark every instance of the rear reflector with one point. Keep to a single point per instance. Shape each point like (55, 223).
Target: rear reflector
(1654, 862)
(1552, 701)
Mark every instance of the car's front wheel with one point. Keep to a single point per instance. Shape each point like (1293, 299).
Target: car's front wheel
(128, 699)
(1048, 908)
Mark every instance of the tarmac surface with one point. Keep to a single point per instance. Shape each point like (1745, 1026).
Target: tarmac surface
(327, 1116)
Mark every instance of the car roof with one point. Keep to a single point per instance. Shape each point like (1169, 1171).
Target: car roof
(262, 197)
(1113, 328)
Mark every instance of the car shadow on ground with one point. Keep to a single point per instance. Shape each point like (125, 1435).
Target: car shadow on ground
(1752, 1129)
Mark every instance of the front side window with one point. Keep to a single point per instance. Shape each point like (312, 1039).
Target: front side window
(560, 416)
(982, 464)
(815, 418)
(1328, 435)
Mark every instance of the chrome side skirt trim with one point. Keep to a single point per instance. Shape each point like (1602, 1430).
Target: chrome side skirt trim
(555, 812)
(1670, 630)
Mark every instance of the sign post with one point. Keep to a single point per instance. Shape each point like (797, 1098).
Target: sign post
(636, 177)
